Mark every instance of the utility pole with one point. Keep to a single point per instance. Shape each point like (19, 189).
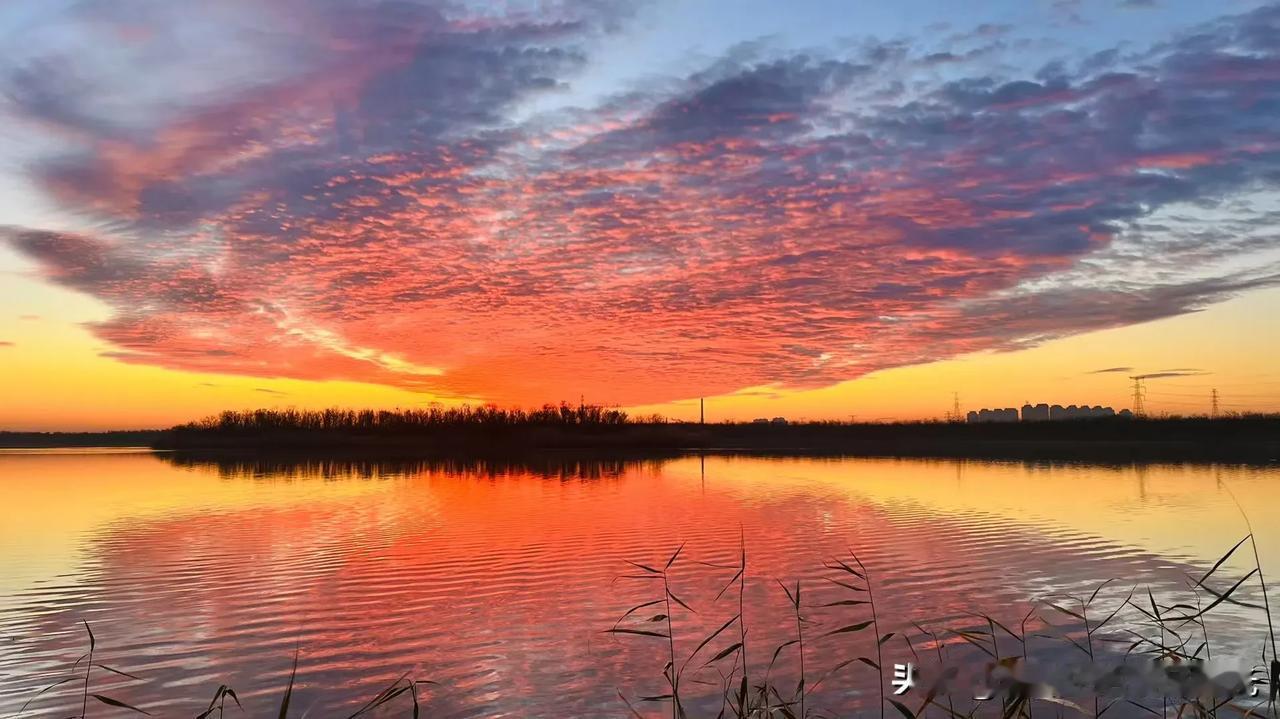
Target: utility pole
(1139, 392)
(1213, 403)
(702, 410)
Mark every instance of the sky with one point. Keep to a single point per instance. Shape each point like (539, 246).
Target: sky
(811, 209)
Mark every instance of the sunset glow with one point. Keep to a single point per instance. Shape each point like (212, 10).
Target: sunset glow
(824, 213)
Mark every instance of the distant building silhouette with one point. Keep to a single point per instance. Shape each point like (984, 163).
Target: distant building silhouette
(1045, 413)
(1008, 414)
(1038, 413)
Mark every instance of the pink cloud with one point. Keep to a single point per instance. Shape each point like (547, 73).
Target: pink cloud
(386, 221)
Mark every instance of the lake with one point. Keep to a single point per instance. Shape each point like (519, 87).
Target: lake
(499, 581)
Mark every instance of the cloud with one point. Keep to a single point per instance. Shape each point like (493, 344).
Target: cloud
(1068, 11)
(6, 343)
(378, 204)
(1160, 375)
(1177, 372)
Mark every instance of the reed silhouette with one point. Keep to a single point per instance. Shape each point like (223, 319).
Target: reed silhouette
(1170, 637)
(1169, 640)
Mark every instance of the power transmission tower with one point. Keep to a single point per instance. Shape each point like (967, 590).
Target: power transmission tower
(955, 406)
(1213, 403)
(1139, 393)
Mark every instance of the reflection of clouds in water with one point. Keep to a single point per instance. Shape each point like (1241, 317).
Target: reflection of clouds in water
(496, 580)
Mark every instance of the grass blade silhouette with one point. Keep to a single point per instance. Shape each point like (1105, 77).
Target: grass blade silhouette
(288, 692)
(117, 703)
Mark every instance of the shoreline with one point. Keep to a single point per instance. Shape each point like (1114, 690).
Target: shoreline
(1115, 452)
(1248, 440)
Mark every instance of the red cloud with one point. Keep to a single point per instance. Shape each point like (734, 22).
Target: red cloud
(384, 220)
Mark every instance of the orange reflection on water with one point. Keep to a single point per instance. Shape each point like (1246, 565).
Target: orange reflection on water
(497, 581)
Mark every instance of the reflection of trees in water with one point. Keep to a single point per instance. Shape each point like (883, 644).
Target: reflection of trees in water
(292, 468)
(573, 466)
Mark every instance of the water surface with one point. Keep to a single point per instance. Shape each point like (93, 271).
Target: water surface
(498, 580)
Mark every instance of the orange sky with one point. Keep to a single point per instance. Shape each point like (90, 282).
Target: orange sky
(56, 377)
(388, 205)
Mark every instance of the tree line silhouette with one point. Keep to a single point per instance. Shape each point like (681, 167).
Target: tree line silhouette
(407, 420)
